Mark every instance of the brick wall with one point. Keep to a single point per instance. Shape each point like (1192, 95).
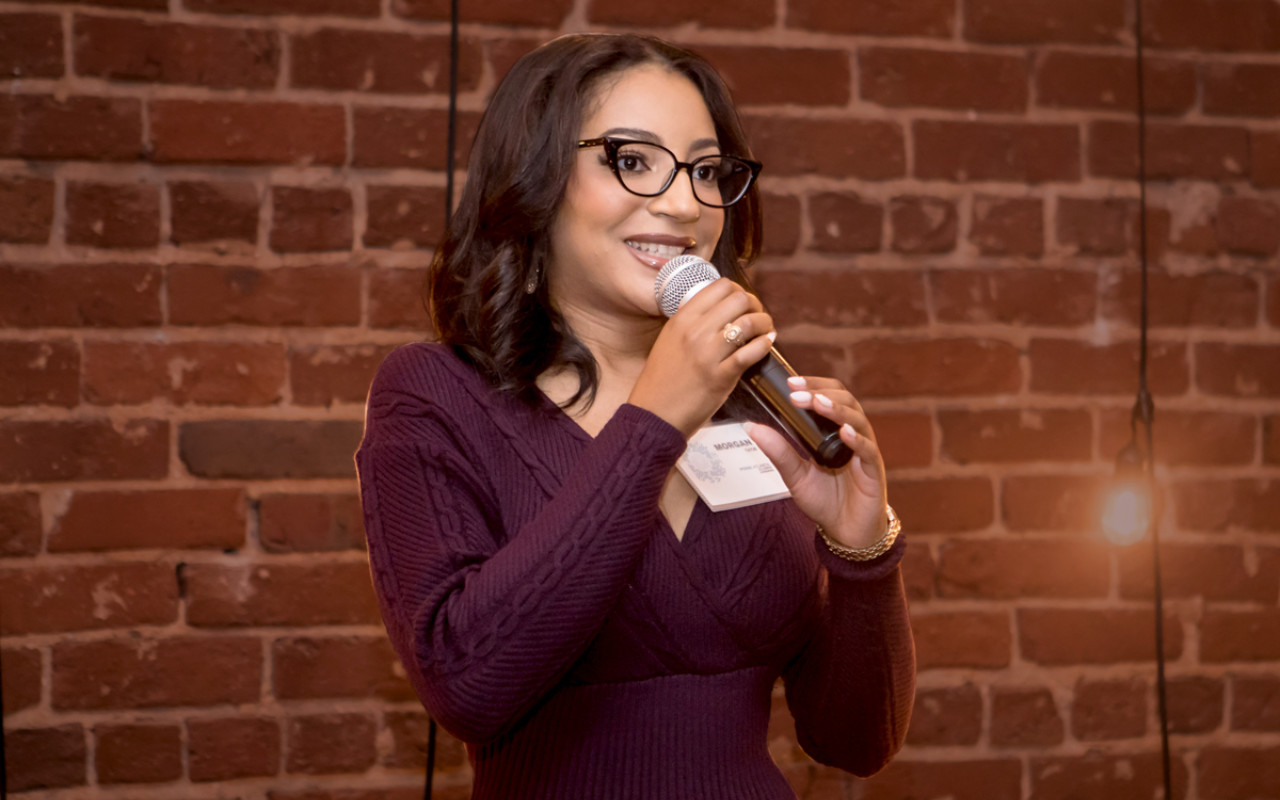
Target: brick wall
(213, 219)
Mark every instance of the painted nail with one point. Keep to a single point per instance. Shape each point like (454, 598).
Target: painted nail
(773, 336)
(796, 382)
(824, 401)
(801, 397)
(849, 431)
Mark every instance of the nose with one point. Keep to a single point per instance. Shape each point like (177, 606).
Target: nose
(678, 201)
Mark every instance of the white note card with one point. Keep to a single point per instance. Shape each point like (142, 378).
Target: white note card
(728, 470)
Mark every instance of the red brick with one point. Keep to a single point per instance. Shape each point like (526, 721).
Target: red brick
(26, 207)
(1188, 437)
(1242, 89)
(820, 359)
(1051, 502)
(1209, 25)
(1101, 776)
(351, 666)
(324, 375)
(917, 573)
(30, 46)
(39, 373)
(374, 61)
(83, 449)
(344, 8)
(409, 740)
(1238, 370)
(322, 295)
(454, 792)
(846, 298)
(905, 438)
(404, 216)
(310, 523)
(934, 18)
(113, 215)
(1273, 301)
(1109, 227)
(134, 672)
(265, 449)
(1195, 704)
(923, 225)
(208, 211)
(996, 151)
(1265, 155)
(777, 75)
(944, 505)
(150, 5)
(138, 753)
(75, 128)
(1255, 703)
(1035, 21)
(1014, 296)
(1060, 636)
(1105, 710)
(1227, 636)
(502, 53)
(23, 671)
(946, 716)
(124, 49)
(310, 220)
(20, 524)
(44, 758)
(942, 79)
(1080, 80)
(1238, 773)
(781, 234)
(1066, 366)
(409, 137)
(1024, 717)
(164, 519)
(198, 373)
(225, 132)
(1249, 226)
(1016, 435)
(970, 639)
(1174, 150)
(329, 743)
(987, 779)
(232, 747)
(1008, 226)
(845, 223)
(706, 13)
(1227, 505)
(1008, 570)
(72, 296)
(314, 593)
(1271, 439)
(1215, 299)
(868, 149)
(544, 14)
(947, 367)
(72, 598)
(395, 299)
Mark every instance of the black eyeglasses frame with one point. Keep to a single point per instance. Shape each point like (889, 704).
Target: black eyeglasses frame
(612, 143)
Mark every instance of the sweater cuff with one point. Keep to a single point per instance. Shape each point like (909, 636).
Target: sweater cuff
(870, 570)
(651, 430)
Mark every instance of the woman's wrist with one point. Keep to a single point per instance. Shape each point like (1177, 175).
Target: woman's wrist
(874, 550)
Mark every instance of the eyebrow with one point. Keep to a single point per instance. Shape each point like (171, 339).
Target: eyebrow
(649, 136)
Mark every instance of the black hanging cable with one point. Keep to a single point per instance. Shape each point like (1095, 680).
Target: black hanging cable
(1144, 413)
(451, 144)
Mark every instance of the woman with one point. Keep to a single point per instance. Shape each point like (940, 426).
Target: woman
(562, 601)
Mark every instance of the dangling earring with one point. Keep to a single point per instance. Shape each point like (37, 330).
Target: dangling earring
(531, 285)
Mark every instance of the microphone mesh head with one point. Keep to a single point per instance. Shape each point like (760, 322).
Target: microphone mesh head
(681, 278)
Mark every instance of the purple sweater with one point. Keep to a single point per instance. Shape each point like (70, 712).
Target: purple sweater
(549, 617)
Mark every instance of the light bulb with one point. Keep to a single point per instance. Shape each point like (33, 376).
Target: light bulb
(1126, 514)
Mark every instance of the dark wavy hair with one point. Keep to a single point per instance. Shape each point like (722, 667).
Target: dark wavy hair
(523, 153)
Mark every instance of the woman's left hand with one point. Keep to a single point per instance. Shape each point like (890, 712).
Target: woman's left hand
(849, 503)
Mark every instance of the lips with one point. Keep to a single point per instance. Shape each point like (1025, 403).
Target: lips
(655, 250)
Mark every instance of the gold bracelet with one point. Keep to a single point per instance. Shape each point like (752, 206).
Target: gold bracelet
(871, 551)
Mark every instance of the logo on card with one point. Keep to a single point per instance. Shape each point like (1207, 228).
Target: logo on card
(703, 463)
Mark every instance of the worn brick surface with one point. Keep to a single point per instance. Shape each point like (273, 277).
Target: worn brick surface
(137, 753)
(175, 518)
(72, 296)
(26, 208)
(232, 747)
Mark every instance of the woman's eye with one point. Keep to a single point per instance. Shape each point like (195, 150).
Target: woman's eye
(630, 162)
(707, 173)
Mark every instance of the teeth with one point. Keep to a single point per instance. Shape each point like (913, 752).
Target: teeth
(661, 250)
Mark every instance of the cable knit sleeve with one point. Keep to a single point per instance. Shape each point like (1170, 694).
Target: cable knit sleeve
(851, 689)
(488, 620)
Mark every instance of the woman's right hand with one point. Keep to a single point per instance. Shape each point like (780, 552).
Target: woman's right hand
(692, 368)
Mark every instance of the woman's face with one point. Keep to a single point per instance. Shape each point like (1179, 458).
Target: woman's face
(607, 244)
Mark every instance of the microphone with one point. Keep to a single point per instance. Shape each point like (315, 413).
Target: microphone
(684, 276)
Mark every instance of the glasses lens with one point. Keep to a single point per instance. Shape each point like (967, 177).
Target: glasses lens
(720, 180)
(644, 168)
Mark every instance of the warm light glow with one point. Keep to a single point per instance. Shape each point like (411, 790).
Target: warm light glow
(1126, 514)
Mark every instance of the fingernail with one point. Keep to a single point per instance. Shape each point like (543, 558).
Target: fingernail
(824, 401)
(747, 426)
(848, 429)
(773, 336)
(796, 382)
(801, 397)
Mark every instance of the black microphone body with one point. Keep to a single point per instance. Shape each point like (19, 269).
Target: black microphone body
(766, 380)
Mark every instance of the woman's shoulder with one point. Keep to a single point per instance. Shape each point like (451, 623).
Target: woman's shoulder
(424, 378)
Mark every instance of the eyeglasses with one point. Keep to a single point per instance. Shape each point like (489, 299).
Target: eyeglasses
(648, 170)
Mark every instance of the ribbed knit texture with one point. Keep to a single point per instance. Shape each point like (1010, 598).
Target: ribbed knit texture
(549, 617)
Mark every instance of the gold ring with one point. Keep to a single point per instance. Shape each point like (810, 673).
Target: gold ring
(732, 334)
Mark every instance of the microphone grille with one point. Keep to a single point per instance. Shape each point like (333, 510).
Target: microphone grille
(681, 278)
